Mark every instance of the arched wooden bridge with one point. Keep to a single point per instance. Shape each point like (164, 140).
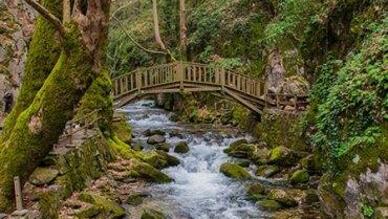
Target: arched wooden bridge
(194, 77)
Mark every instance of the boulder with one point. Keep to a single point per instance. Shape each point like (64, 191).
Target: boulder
(260, 155)
(156, 139)
(283, 156)
(150, 132)
(149, 213)
(256, 191)
(290, 214)
(136, 198)
(148, 172)
(240, 149)
(267, 170)
(163, 147)
(43, 176)
(244, 163)
(269, 205)
(88, 211)
(283, 197)
(182, 147)
(107, 207)
(159, 159)
(299, 176)
(234, 171)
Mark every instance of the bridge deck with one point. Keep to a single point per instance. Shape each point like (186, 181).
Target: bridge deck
(194, 77)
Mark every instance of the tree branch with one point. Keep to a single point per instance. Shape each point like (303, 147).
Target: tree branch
(47, 15)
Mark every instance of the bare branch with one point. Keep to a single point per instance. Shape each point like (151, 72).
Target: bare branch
(134, 41)
(47, 15)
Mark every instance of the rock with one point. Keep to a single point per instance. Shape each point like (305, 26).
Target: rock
(269, 205)
(267, 170)
(2, 216)
(89, 211)
(163, 147)
(308, 163)
(152, 214)
(260, 155)
(283, 197)
(137, 147)
(136, 198)
(283, 156)
(380, 213)
(244, 163)
(150, 132)
(160, 159)
(299, 176)
(239, 149)
(311, 196)
(43, 176)
(107, 207)
(156, 139)
(148, 172)
(234, 171)
(256, 191)
(182, 147)
(290, 214)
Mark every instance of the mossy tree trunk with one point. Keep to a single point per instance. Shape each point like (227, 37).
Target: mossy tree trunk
(43, 53)
(39, 126)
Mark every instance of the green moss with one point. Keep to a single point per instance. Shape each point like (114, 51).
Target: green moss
(234, 171)
(108, 209)
(122, 130)
(269, 205)
(152, 214)
(299, 176)
(43, 53)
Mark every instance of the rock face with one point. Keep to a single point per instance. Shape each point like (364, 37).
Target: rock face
(156, 139)
(234, 171)
(182, 147)
(16, 27)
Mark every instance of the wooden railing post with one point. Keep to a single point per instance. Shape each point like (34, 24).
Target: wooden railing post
(222, 76)
(180, 74)
(18, 193)
(138, 80)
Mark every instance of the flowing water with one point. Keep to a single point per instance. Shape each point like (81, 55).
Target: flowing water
(199, 190)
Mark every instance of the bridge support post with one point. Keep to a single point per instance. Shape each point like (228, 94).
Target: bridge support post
(180, 75)
(138, 80)
(222, 77)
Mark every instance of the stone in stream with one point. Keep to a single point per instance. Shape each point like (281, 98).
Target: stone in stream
(267, 170)
(269, 205)
(284, 197)
(137, 147)
(150, 132)
(283, 156)
(239, 149)
(299, 176)
(43, 176)
(256, 191)
(244, 163)
(182, 147)
(234, 171)
(163, 147)
(156, 139)
(149, 213)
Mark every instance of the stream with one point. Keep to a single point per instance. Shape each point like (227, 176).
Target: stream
(199, 190)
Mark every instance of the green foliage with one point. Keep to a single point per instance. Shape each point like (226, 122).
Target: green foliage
(367, 211)
(354, 107)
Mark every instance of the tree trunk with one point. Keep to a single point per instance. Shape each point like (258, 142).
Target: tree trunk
(182, 29)
(275, 71)
(158, 38)
(39, 126)
(42, 55)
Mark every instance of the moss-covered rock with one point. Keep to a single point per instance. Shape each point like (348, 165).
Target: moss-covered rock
(283, 156)
(163, 147)
(43, 176)
(182, 147)
(150, 132)
(299, 176)
(269, 205)
(108, 208)
(267, 170)
(89, 211)
(256, 191)
(122, 130)
(260, 155)
(282, 196)
(243, 163)
(234, 171)
(149, 213)
(148, 172)
(136, 198)
(241, 150)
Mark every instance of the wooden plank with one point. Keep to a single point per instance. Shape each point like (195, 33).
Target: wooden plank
(242, 101)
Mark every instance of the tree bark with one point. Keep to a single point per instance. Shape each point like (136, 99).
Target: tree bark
(182, 29)
(39, 126)
(155, 15)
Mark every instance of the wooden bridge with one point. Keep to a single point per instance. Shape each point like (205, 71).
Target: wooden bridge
(194, 77)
